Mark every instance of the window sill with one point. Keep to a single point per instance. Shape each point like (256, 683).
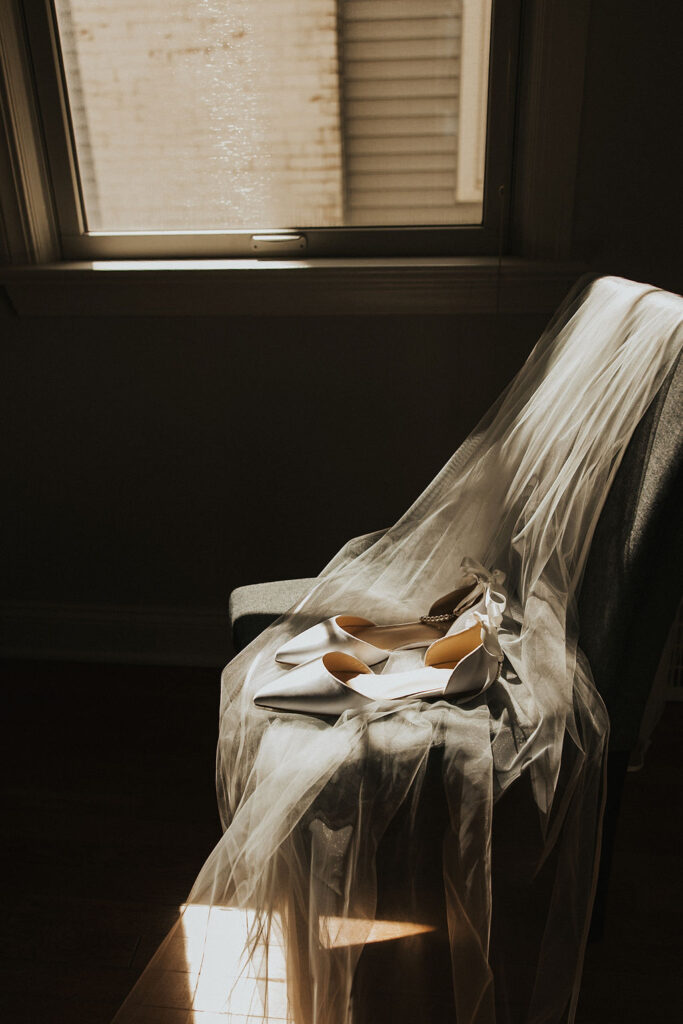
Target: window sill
(288, 288)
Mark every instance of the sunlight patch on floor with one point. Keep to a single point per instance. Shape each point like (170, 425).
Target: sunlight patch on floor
(354, 931)
(200, 975)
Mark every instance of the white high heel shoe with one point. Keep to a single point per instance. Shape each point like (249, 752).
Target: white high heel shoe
(481, 592)
(461, 665)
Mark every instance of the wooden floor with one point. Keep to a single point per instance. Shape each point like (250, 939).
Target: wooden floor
(110, 812)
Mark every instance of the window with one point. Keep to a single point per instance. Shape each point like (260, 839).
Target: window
(229, 127)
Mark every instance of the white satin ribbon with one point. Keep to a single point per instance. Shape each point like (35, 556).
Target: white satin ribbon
(489, 638)
(495, 595)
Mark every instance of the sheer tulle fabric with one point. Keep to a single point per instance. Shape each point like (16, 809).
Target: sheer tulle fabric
(327, 821)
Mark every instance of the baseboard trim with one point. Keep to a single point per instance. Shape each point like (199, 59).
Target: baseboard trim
(118, 634)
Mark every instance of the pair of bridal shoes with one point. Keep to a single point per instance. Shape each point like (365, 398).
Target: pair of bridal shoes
(460, 665)
(480, 592)
(333, 658)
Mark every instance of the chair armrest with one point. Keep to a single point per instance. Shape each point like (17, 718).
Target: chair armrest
(254, 607)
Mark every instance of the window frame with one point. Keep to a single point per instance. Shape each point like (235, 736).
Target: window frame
(76, 243)
(537, 270)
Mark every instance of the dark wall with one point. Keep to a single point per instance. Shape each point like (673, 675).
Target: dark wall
(166, 461)
(629, 199)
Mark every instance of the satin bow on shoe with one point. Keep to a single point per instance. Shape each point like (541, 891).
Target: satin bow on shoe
(495, 595)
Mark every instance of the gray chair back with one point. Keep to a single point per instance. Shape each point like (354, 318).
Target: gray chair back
(634, 573)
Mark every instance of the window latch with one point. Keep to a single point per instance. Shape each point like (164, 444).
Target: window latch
(278, 244)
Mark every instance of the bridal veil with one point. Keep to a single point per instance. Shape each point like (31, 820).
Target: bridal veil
(326, 821)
